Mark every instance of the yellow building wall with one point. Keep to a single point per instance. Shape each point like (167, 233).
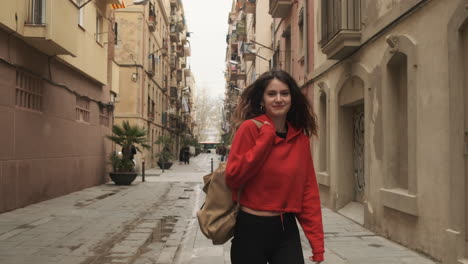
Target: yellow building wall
(91, 56)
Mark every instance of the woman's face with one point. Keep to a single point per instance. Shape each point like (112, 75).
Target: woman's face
(276, 99)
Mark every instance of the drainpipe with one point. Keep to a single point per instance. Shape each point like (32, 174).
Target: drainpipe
(305, 41)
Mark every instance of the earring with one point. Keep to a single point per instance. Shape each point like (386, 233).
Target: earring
(262, 109)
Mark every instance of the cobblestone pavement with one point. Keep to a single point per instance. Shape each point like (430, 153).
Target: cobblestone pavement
(154, 222)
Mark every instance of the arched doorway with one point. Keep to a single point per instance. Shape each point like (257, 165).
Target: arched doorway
(351, 149)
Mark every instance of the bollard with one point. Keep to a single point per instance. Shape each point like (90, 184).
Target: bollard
(143, 171)
(211, 164)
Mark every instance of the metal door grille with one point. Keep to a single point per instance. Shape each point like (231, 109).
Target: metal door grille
(358, 149)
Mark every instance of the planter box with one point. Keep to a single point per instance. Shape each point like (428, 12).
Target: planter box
(123, 178)
(167, 165)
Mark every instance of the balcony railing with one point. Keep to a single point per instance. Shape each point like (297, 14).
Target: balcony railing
(248, 51)
(341, 26)
(280, 8)
(339, 15)
(36, 12)
(241, 28)
(250, 6)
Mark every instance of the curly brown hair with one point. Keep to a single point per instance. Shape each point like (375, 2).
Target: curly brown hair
(301, 114)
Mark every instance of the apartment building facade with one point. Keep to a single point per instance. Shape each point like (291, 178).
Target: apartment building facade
(390, 93)
(151, 54)
(387, 80)
(264, 35)
(55, 98)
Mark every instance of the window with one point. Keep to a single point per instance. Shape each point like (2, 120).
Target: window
(103, 116)
(36, 12)
(29, 91)
(82, 109)
(99, 28)
(398, 113)
(323, 132)
(80, 13)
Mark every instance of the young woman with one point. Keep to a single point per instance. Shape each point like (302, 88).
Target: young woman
(272, 166)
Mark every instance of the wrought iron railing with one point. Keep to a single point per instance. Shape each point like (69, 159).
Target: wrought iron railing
(339, 15)
(36, 12)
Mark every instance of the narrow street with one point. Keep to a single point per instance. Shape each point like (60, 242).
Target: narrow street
(154, 222)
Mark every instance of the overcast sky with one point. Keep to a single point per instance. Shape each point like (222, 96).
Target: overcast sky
(207, 19)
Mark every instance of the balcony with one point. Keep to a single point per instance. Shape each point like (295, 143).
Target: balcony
(173, 93)
(176, 28)
(241, 30)
(250, 6)
(341, 32)
(248, 51)
(232, 17)
(151, 65)
(173, 61)
(151, 116)
(152, 23)
(187, 51)
(180, 50)
(232, 73)
(280, 8)
(241, 75)
(183, 63)
(175, 4)
(179, 75)
(234, 41)
(51, 28)
(113, 1)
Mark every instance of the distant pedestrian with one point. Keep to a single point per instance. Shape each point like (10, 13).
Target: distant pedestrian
(181, 156)
(272, 168)
(186, 155)
(222, 152)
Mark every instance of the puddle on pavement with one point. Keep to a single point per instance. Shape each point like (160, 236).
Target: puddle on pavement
(164, 229)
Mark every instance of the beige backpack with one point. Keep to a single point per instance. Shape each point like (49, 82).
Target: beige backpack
(217, 216)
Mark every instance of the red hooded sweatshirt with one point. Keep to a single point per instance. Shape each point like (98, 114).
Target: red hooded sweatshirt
(278, 175)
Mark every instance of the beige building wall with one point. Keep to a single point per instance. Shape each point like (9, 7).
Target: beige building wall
(152, 55)
(263, 35)
(400, 85)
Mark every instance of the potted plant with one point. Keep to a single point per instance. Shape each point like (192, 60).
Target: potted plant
(132, 139)
(165, 156)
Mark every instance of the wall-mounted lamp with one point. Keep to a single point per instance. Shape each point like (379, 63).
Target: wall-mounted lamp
(135, 76)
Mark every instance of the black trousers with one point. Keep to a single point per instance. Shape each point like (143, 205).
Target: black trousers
(266, 239)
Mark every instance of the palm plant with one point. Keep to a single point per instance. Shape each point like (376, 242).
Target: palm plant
(129, 137)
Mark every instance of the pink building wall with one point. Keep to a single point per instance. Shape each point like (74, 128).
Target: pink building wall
(48, 153)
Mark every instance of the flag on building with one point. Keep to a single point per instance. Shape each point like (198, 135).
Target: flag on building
(118, 6)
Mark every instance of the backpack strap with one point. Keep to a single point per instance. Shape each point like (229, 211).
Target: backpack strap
(259, 125)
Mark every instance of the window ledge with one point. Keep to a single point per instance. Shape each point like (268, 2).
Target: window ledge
(323, 178)
(399, 199)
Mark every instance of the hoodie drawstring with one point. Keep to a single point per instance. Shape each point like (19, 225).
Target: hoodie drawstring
(282, 220)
